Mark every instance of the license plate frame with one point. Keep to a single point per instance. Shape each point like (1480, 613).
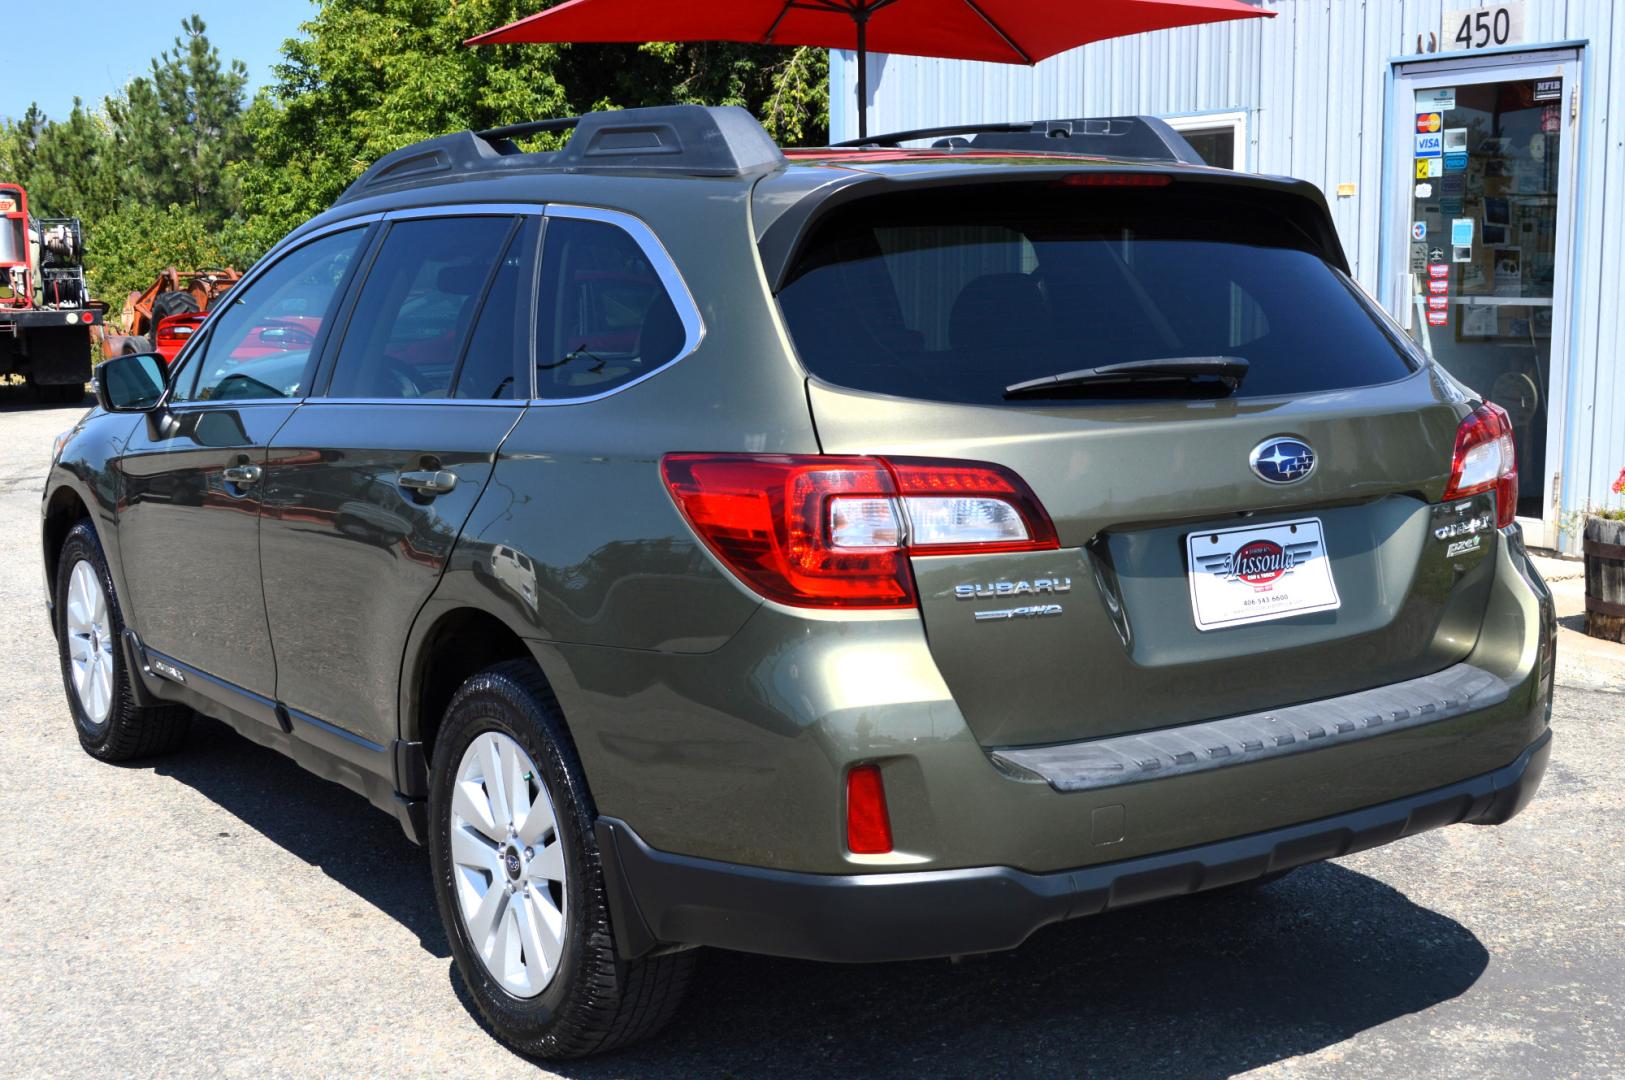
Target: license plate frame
(1249, 574)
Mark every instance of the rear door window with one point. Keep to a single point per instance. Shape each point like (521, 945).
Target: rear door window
(496, 363)
(417, 307)
(955, 293)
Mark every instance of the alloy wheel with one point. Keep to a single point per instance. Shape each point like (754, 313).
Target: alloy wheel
(508, 864)
(90, 642)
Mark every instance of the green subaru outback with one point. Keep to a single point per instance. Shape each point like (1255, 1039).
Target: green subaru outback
(865, 553)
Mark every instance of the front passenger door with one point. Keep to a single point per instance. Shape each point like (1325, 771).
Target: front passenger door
(193, 472)
(369, 484)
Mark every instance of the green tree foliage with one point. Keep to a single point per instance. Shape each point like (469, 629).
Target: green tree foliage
(370, 76)
(178, 170)
(74, 165)
(181, 125)
(136, 241)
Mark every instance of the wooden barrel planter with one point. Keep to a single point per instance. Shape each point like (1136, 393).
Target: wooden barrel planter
(1605, 578)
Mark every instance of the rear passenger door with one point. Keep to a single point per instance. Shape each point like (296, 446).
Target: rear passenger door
(370, 482)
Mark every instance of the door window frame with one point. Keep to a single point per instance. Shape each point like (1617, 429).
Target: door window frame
(516, 211)
(199, 343)
(333, 345)
(1406, 76)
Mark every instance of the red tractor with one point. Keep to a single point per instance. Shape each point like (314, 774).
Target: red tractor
(163, 317)
(46, 314)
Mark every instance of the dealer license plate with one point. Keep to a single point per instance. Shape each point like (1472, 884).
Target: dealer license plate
(1257, 573)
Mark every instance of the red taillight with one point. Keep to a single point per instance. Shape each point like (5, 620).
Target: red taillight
(868, 824)
(836, 532)
(1485, 460)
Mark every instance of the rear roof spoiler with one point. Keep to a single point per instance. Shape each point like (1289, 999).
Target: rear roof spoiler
(1143, 138)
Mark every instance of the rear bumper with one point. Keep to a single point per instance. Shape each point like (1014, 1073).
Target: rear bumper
(45, 318)
(659, 898)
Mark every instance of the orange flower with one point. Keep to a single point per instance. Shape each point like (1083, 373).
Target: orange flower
(1619, 485)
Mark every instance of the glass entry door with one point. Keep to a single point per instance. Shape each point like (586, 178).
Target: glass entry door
(1484, 194)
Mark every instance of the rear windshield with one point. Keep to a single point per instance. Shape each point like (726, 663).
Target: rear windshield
(953, 294)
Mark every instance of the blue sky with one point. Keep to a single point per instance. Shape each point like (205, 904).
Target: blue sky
(55, 51)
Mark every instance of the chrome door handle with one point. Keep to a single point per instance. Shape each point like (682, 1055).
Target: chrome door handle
(242, 475)
(428, 483)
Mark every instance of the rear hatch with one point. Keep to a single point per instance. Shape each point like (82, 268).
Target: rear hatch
(1205, 567)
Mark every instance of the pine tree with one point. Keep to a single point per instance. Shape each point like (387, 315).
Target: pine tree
(180, 126)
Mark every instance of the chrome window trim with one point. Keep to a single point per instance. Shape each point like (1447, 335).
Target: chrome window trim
(488, 403)
(465, 210)
(665, 268)
(255, 272)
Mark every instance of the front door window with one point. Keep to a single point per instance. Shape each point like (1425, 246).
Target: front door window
(1486, 182)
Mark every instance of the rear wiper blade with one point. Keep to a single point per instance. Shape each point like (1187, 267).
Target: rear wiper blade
(1227, 371)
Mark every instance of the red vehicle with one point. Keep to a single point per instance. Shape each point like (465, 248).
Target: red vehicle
(46, 314)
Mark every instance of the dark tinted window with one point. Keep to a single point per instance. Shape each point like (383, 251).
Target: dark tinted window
(606, 317)
(416, 307)
(497, 363)
(953, 294)
(260, 344)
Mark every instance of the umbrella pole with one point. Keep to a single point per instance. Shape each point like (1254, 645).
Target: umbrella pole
(861, 17)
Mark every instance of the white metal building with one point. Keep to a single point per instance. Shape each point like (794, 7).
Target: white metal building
(1427, 123)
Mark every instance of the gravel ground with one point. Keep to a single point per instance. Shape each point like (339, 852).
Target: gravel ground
(219, 912)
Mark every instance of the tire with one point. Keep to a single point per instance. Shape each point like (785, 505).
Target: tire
(165, 304)
(111, 726)
(587, 999)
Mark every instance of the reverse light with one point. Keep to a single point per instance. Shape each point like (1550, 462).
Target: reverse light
(1486, 460)
(868, 822)
(836, 532)
(969, 508)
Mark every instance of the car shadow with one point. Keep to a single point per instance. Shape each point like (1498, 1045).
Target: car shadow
(1205, 986)
(15, 397)
(326, 825)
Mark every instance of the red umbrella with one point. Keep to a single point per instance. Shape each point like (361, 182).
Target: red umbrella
(1005, 31)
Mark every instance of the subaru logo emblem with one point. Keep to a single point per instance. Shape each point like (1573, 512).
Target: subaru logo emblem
(1282, 460)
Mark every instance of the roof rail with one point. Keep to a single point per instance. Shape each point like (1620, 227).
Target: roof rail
(1143, 137)
(684, 140)
(527, 129)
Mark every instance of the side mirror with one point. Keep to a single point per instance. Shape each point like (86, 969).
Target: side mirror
(131, 383)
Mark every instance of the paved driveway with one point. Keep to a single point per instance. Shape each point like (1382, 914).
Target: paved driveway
(219, 912)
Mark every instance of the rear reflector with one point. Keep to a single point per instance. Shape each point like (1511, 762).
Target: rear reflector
(868, 824)
(836, 532)
(1486, 460)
